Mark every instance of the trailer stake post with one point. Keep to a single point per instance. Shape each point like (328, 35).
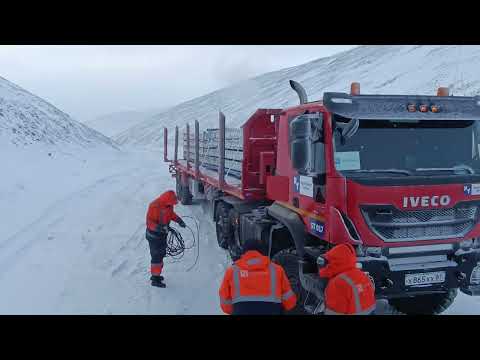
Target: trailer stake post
(175, 158)
(197, 149)
(221, 149)
(188, 147)
(165, 137)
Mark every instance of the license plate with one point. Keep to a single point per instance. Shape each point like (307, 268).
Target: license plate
(425, 278)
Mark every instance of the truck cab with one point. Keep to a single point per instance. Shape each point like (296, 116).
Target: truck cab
(396, 176)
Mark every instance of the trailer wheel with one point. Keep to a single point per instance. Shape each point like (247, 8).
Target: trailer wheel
(431, 304)
(183, 192)
(187, 197)
(288, 259)
(222, 224)
(179, 187)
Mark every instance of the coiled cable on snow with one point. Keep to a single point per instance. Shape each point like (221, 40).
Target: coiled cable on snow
(176, 245)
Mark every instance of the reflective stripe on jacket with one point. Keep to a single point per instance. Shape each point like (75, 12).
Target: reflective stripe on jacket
(255, 281)
(349, 290)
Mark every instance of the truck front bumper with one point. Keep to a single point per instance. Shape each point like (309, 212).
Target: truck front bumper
(389, 280)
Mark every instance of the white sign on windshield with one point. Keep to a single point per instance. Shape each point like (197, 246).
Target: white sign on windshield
(347, 160)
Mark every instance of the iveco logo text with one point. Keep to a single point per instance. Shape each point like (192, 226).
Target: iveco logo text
(426, 201)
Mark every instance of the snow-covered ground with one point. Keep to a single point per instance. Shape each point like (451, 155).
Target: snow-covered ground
(72, 238)
(76, 245)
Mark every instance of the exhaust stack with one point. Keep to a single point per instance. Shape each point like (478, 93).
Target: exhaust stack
(443, 91)
(302, 94)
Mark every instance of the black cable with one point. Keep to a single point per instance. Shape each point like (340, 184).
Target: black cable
(176, 245)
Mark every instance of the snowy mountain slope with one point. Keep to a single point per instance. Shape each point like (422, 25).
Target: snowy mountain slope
(26, 119)
(115, 123)
(379, 69)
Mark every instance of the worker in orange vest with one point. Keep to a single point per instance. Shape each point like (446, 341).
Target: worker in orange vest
(254, 285)
(160, 213)
(349, 291)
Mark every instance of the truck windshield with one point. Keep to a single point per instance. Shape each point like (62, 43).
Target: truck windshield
(406, 147)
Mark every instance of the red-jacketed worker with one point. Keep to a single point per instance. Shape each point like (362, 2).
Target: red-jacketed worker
(349, 291)
(160, 213)
(254, 285)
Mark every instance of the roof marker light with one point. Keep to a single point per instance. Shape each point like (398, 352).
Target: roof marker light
(434, 108)
(412, 108)
(355, 88)
(443, 91)
(423, 108)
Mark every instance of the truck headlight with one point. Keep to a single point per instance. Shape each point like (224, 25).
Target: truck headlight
(466, 244)
(475, 276)
(374, 251)
(369, 251)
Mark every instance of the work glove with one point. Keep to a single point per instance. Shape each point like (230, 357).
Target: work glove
(163, 230)
(181, 223)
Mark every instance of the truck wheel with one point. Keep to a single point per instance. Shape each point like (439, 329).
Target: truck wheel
(179, 187)
(288, 259)
(187, 197)
(222, 224)
(431, 304)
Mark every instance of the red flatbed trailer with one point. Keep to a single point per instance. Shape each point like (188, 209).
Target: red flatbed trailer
(358, 169)
(259, 147)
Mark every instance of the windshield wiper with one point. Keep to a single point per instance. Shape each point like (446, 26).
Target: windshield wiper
(392, 171)
(459, 169)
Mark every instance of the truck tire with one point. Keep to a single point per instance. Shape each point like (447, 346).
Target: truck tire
(431, 304)
(179, 187)
(187, 197)
(222, 225)
(288, 259)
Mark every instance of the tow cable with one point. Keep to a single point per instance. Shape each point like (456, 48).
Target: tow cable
(176, 245)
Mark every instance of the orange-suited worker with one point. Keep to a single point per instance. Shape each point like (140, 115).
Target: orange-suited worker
(160, 213)
(349, 291)
(254, 285)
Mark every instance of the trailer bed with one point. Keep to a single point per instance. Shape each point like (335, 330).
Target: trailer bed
(232, 186)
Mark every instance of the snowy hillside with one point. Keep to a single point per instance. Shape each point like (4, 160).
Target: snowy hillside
(26, 119)
(115, 123)
(379, 69)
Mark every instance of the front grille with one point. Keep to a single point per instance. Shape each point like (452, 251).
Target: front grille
(391, 224)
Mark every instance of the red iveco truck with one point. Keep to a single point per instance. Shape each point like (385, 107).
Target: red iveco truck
(397, 176)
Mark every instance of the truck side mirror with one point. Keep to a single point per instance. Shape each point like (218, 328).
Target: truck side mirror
(348, 130)
(321, 262)
(305, 131)
(351, 128)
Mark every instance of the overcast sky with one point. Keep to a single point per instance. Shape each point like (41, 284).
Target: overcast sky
(89, 81)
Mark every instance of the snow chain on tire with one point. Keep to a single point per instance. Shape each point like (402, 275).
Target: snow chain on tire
(223, 225)
(288, 259)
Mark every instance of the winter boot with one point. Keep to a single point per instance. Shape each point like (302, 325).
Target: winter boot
(158, 281)
(153, 277)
